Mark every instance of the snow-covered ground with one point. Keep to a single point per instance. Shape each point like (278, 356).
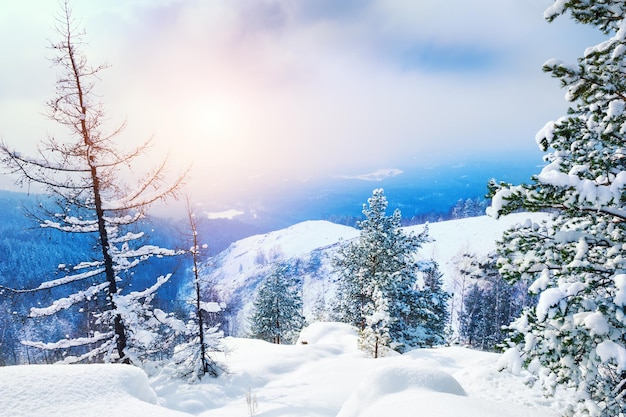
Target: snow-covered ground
(324, 375)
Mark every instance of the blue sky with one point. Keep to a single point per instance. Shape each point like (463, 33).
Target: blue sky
(270, 91)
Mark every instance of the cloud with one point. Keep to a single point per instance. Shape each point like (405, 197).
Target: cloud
(378, 175)
(226, 214)
(281, 89)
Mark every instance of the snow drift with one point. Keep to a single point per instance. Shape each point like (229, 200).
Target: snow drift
(78, 390)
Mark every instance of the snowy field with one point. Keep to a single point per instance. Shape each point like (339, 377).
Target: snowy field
(324, 375)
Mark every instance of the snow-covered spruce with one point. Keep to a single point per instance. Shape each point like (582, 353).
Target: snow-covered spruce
(575, 335)
(277, 310)
(377, 289)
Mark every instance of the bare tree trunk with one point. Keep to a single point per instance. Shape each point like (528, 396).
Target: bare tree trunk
(376, 348)
(194, 230)
(119, 327)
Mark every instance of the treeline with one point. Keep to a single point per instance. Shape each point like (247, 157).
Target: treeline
(463, 208)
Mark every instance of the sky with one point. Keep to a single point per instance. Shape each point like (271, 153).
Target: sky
(257, 93)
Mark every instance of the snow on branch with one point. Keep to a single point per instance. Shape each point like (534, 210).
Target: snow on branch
(123, 220)
(71, 278)
(68, 343)
(73, 225)
(94, 353)
(170, 321)
(67, 302)
(210, 306)
(128, 237)
(61, 281)
(131, 298)
(147, 250)
(609, 351)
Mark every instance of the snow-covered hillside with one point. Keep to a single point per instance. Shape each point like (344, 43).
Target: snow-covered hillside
(245, 259)
(237, 271)
(309, 247)
(326, 377)
(473, 235)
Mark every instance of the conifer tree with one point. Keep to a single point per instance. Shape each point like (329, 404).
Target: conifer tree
(83, 172)
(194, 358)
(576, 262)
(382, 259)
(472, 320)
(277, 309)
(436, 314)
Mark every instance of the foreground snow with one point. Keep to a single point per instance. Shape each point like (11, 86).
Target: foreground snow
(324, 375)
(78, 390)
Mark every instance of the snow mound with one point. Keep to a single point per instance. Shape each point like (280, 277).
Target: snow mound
(392, 380)
(340, 335)
(78, 390)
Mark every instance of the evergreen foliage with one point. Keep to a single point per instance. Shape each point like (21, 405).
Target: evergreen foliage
(576, 263)
(277, 310)
(82, 172)
(378, 282)
(469, 207)
(375, 337)
(435, 305)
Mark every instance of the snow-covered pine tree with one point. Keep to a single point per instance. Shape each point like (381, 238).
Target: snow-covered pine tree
(472, 322)
(277, 309)
(383, 258)
(436, 313)
(83, 171)
(576, 262)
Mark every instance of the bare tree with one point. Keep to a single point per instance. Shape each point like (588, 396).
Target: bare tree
(192, 359)
(84, 171)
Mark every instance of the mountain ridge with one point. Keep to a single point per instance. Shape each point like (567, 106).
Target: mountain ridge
(308, 248)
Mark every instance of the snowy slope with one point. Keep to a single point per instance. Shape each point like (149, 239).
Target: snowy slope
(326, 377)
(310, 245)
(237, 271)
(476, 235)
(244, 258)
